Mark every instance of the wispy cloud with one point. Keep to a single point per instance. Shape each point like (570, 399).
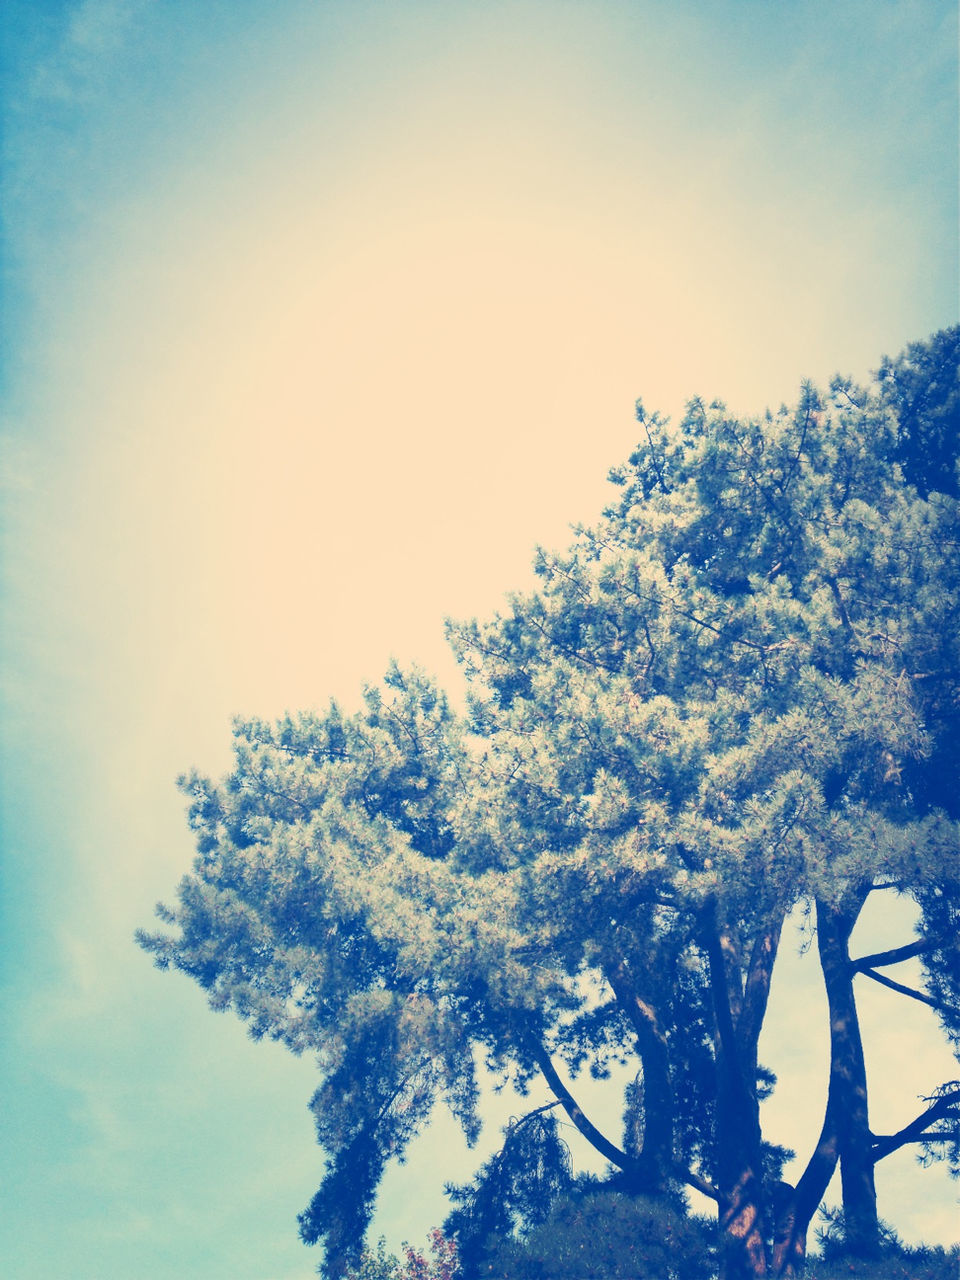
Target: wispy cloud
(92, 35)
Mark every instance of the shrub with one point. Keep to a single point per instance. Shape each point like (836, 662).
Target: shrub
(416, 1265)
(608, 1236)
(909, 1264)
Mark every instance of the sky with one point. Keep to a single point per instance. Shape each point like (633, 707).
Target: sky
(317, 318)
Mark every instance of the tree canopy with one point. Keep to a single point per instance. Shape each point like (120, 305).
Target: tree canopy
(737, 693)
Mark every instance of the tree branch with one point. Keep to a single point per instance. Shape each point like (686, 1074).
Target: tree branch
(659, 1105)
(757, 987)
(699, 1184)
(907, 991)
(580, 1121)
(915, 1130)
(514, 1125)
(726, 988)
(893, 956)
(939, 1135)
(596, 1139)
(841, 605)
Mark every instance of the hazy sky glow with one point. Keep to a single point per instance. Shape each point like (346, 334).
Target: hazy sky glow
(317, 317)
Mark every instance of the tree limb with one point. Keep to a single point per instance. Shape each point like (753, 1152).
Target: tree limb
(580, 1121)
(907, 991)
(940, 1135)
(893, 956)
(915, 1130)
(726, 987)
(593, 1135)
(841, 605)
(757, 987)
(514, 1125)
(699, 1184)
(659, 1105)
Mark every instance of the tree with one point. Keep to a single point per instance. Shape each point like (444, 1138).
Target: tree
(729, 697)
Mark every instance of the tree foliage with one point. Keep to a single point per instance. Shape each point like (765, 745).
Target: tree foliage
(440, 1262)
(922, 386)
(513, 1193)
(735, 694)
(606, 1235)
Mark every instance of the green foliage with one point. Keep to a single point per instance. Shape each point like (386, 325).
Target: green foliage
(923, 388)
(376, 1264)
(736, 693)
(893, 1260)
(926, 1264)
(294, 919)
(513, 1192)
(609, 1236)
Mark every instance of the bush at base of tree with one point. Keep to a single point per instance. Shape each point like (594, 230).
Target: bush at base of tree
(609, 1236)
(896, 1261)
(910, 1264)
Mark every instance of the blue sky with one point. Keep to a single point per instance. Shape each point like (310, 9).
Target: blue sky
(317, 317)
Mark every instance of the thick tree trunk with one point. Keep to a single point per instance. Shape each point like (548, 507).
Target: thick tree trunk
(794, 1207)
(789, 1233)
(739, 1167)
(743, 1255)
(862, 1228)
(656, 1159)
(845, 1134)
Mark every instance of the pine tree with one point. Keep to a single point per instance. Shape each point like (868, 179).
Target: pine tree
(735, 694)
